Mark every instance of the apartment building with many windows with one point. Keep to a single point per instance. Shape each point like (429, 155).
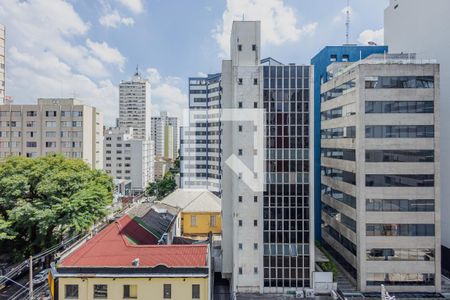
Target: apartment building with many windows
(267, 233)
(165, 136)
(200, 150)
(135, 106)
(64, 126)
(380, 172)
(128, 158)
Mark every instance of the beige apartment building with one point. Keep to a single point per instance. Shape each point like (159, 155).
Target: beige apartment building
(63, 126)
(2, 63)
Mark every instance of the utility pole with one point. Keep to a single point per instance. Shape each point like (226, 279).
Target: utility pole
(30, 291)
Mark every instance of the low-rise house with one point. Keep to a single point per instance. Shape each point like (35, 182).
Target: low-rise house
(123, 261)
(199, 212)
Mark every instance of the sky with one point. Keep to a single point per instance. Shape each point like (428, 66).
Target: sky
(84, 48)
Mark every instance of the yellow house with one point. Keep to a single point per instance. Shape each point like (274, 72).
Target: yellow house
(112, 266)
(199, 212)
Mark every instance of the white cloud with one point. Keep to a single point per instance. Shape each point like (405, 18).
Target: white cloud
(113, 19)
(106, 53)
(369, 35)
(278, 22)
(342, 16)
(166, 93)
(135, 6)
(201, 74)
(44, 58)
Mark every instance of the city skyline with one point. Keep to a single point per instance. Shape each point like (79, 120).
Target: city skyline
(97, 44)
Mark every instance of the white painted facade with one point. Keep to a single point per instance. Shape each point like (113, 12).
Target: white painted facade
(377, 256)
(241, 221)
(417, 26)
(128, 158)
(64, 126)
(135, 106)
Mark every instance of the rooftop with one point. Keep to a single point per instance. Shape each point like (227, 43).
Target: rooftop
(193, 200)
(124, 241)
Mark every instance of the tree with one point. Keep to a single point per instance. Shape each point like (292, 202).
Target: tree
(162, 187)
(43, 200)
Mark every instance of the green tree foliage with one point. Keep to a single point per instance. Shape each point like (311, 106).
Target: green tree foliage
(162, 187)
(45, 199)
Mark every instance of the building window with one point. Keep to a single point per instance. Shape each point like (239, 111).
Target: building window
(239, 47)
(240, 198)
(345, 58)
(240, 270)
(240, 128)
(32, 113)
(212, 220)
(71, 291)
(240, 246)
(194, 220)
(240, 223)
(255, 104)
(240, 152)
(255, 246)
(130, 291)
(50, 113)
(255, 270)
(255, 198)
(100, 291)
(239, 104)
(167, 291)
(255, 223)
(255, 81)
(254, 47)
(196, 291)
(333, 57)
(240, 81)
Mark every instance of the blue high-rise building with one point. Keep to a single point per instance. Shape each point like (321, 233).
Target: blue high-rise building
(327, 56)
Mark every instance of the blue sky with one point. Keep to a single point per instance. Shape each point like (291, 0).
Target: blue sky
(83, 48)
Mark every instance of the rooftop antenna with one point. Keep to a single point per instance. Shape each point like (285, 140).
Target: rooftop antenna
(347, 24)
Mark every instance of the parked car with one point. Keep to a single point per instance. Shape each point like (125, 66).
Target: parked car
(40, 277)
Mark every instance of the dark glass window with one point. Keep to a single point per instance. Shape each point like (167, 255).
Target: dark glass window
(167, 291)
(339, 196)
(338, 91)
(339, 217)
(339, 175)
(344, 154)
(400, 229)
(196, 291)
(399, 107)
(399, 155)
(100, 291)
(400, 180)
(71, 291)
(130, 291)
(338, 133)
(400, 82)
(405, 205)
(390, 254)
(341, 239)
(400, 131)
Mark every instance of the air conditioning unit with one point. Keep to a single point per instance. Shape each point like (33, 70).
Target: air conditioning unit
(309, 293)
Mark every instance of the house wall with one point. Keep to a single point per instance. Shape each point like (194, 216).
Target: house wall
(203, 223)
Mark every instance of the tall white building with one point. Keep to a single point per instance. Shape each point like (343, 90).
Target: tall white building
(200, 150)
(128, 158)
(135, 106)
(267, 236)
(415, 26)
(64, 126)
(380, 172)
(165, 136)
(2, 64)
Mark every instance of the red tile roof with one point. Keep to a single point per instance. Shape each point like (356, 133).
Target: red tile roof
(111, 248)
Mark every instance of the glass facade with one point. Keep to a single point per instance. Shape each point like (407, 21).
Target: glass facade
(339, 112)
(400, 156)
(286, 203)
(399, 107)
(339, 196)
(339, 175)
(399, 82)
(339, 217)
(338, 133)
(399, 131)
